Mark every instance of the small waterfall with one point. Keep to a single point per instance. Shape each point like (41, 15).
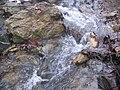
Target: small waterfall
(33, 80)
(84, 18)
(80, 19)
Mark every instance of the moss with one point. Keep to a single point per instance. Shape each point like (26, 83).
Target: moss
(18, 39)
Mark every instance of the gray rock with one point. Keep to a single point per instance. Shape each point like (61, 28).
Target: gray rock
(52, 1)
(4, 42)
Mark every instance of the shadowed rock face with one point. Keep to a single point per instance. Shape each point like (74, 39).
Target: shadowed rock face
(41, 21)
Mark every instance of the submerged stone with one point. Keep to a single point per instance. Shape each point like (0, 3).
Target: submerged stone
(4, 42)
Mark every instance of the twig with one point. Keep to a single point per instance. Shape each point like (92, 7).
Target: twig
(113, 64)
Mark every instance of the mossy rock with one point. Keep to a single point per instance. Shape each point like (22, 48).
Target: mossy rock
(4, 42)
(18, 39)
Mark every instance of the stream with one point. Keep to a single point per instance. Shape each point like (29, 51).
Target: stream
(59, 73)
(65, 75)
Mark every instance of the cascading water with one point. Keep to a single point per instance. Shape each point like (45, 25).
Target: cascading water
(83, 18)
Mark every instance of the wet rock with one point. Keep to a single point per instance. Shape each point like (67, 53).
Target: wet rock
(85, 10)
(13, 7)
(38, 86)
(111, 15)
(37, 51)
(90, 39)
(107, 40)
(117, 20)
(117, 49)
(4, 42)
(46, 75)
(2, 11)
(103, 83)
(80, 59)
(27, 58)
(117, 79)
(116, 28)
(76, 34)
(48, 48)
(17, 39)
(16, 71)
(37, 23)
(52, 1)
(10, 77)
(93, 40)
(7, 15)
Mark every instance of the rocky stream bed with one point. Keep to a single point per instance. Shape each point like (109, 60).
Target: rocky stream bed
(74, 45)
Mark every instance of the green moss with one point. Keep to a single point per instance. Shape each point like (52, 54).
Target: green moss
(18, 39)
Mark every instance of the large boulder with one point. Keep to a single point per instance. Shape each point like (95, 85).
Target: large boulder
(40, 21)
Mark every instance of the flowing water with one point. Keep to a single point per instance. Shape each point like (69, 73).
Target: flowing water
(84, 18)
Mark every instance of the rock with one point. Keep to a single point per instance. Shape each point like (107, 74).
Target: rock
(90, 39)
(103, 83)
(10, 77)
(52, 1)
(85, 10)
(17, 69)
(4, 42)
(13, 7)
(17, 39)
(116, 28)
(93, 40)
(48, 48)
(37, 51)
(50, 45)
(2, 11)
(111, 15)
(27, 58)
(80, 59)
(106, 39)
(118, 20)
(117, 49)
(43, 22)
(46, 75)
(7, 15)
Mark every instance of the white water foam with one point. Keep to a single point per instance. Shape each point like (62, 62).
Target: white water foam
(74, 18)
(33, 81)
